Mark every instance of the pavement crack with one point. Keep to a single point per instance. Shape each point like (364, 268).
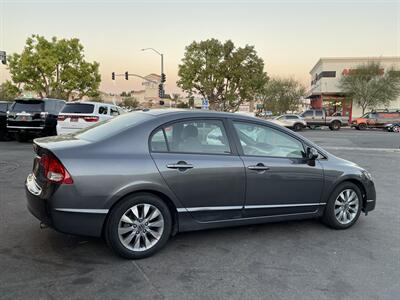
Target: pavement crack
(147, 279)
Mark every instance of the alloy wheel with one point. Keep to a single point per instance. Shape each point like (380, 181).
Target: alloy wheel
(346, 206)
(141, 227)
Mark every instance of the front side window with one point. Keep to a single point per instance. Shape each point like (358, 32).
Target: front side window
(259, 140)
(114, 111)
(194, 136)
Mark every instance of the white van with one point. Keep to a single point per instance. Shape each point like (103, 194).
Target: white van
(79, 115)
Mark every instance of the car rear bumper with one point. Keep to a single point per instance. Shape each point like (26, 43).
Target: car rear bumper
(87, 222)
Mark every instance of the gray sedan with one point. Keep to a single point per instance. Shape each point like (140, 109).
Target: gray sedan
(144, 176)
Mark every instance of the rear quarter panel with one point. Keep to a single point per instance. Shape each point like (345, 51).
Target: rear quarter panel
(104, 172)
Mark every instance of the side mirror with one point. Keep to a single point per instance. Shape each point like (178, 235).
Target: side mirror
(312, 153)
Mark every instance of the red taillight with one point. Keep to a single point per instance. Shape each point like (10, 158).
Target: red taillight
(54, 170)
(91, 119)
(61, 118)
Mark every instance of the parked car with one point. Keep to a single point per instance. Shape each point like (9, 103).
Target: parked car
(78, 115)
(377, 119)
(141, 177)
(291, 121)
(4, 106)
(33, 117)
(318, 117)
(395, 127)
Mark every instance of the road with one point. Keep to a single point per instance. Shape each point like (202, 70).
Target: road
(292, 260)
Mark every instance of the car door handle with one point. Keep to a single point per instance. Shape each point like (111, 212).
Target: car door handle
(258, 167)
(180, 166)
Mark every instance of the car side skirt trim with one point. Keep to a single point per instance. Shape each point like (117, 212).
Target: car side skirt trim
(208, 208)
(85, 211)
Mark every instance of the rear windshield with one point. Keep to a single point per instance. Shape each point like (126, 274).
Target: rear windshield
(28, 106)
(108, 128)
(77, 108)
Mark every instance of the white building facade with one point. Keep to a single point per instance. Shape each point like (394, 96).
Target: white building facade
(325, 75)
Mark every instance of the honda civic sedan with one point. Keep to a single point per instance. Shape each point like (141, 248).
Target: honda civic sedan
(142, 177)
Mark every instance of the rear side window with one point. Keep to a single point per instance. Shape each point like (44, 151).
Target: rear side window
(308, 113)
(318, 113)
(196, 136)
(78, 108)
(291, 117)
(103, 110)
(28, 106)
(158, 142)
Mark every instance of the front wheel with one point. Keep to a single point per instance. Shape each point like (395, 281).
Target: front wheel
(138, 226)
(343, 207)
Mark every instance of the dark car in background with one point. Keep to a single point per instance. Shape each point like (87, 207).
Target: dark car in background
(141, 177)
(4, 106)
(29, 118)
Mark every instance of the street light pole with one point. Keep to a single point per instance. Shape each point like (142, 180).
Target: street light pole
(159, 53)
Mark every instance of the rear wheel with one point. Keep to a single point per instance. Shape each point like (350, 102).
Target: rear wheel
(335, 125)
(138, 226)
(396, 128)
(343, 207)
(298, 127)
(362, 126)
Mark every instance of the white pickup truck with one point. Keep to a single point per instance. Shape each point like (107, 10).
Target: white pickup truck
(318, 117)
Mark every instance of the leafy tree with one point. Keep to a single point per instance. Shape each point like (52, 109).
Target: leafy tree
(182, 104)
(175, 98)
(131, 102)
(55, 68)
(125, 94)
(222, 73)
(369, 86)
(8, 91)
(282, 95)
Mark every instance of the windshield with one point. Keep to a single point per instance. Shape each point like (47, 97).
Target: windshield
(365, 115)
(108, 128)
(28, 106)
(78, 108)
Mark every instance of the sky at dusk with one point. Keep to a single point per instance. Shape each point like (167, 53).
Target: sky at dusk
(289, 35)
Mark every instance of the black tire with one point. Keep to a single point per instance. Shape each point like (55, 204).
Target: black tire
(329, 216)
(113, 221)
(297, 127)
(335, 125)
(362, 126)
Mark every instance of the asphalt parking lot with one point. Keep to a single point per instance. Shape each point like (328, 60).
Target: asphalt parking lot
(292, 260)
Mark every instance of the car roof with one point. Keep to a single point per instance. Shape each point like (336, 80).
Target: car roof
(196, 113)
(91, 102)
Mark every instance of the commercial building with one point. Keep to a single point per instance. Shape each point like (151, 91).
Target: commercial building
(325, 75)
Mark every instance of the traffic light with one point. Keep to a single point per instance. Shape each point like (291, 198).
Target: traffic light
(126, 75)
(3, 57)
(113, 75)
(161, 91)
(163, 77)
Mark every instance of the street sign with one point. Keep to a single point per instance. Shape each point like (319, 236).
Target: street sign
(204, 104)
